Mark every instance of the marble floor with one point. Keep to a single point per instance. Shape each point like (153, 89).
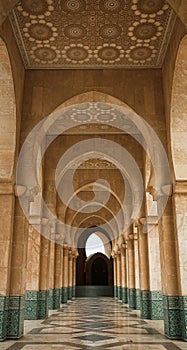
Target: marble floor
(93, 323)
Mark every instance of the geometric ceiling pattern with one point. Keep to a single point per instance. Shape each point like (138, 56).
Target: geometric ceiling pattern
(68, 34)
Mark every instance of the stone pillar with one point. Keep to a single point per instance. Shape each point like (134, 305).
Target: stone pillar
(145, 306)
(180, 214)
(170, 272)
(7, 200)
(44, 278)
(123, 274)
(131, 273)
(115, 274)
(58, 276)
(65, 275)
(118, 258)
(70, 274)
(33, 275)
(137, 271)
(156, 297)
(51, 276)
(74, 273)
(18, 274)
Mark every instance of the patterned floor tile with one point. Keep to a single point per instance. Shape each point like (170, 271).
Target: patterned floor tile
(99, 324)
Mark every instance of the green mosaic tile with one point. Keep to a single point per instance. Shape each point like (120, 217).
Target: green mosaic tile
(172, 317)
(145, 304)
(4, 302)
(15, 317)
(50, 299)
(124, 295)
(132, 298)
(74, 292)
(64, 295)
(138, 297)
(157, 311)
(36, 305)
(56, 298)
(42, 304)
(31, 305)
(119, 293)
(183, 308)
(69, 293)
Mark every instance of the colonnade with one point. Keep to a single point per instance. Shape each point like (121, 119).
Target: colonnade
(150, 265)
(37, 275)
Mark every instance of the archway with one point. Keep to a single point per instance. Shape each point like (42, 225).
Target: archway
(98, 270)
(178, 122)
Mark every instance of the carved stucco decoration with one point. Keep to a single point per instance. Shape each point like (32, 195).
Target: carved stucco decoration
(92, 33)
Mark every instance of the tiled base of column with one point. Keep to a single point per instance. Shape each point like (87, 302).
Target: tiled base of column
(138, 298)
(132, 298)
(42, 304)
(119, 292)
(74, 292)
(183, 307)
(69, 293)
(157, 312)
(31, 305)
(124, 295)
(15, 317)
(64, 295)
(4, 301)
(172, 317)
(50, 299)
(36, 304)
(115, 292)
(56, 298)
(145, 304)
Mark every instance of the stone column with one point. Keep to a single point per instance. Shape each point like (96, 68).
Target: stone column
(7, 200)
(180, 214)
(131, 273)
(58, 276)
(44, 278)
(70, 274)
(65, 275)
(115, 274)
(33, 274)
(18, 274)
(156, 297)
(170, 271)
(137, 271)
(123, 274)
(51, 276)
(74, 273)
(118, 259)
(145, 307)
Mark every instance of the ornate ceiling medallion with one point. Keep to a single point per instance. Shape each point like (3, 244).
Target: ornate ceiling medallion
(73, 6)
(149, 7)
(75, 31)
(110, 31)
(45, 54)
(109, 53)
(110, 5)
(76, 53)
(34, 8)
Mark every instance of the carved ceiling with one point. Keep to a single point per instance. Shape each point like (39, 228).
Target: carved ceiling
(92, 33)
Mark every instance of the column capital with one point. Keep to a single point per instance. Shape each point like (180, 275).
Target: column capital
(123, 249)
(65, 250)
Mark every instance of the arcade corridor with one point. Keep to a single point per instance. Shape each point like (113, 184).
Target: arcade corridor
(94, 323)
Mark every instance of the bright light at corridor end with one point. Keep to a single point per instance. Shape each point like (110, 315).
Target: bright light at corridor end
(29, 184)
